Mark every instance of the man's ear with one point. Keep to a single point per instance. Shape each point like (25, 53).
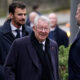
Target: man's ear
(11, 15)
(33, 28)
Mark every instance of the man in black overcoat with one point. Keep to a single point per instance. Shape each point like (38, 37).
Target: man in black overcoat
(8, 32)
(33, 57)
(56, 33)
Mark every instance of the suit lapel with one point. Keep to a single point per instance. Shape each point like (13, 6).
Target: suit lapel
(9, 37)
(25, 30)
(32, 53)
(6, 31)
(24, 33)
(53, 52)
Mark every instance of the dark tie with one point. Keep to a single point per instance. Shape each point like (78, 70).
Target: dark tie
(42, 46)
(18, 33)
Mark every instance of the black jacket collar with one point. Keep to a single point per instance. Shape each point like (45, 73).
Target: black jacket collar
(6, 28)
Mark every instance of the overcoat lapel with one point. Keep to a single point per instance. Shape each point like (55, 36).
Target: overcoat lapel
(7, 34)
(9, 37)
(52, 51)
(32, 53)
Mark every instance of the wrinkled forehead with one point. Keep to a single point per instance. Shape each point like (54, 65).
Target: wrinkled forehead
(42, 21)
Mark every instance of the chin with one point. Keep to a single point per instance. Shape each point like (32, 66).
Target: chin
(22, 24)
(43, 39)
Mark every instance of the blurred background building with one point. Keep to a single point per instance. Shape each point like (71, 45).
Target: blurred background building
(45, 5)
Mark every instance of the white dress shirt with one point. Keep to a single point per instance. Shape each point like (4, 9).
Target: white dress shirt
(13, 29)
(52, 29)
(31, 25)
(43, 45)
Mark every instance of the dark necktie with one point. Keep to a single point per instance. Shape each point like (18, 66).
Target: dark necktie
(18, 33)
(42, 46)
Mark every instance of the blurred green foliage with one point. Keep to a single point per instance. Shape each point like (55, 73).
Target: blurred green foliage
(63, 62)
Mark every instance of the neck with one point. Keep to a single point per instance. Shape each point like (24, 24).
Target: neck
(16, 25)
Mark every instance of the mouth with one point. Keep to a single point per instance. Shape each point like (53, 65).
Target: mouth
(22, 20)
(42, 34)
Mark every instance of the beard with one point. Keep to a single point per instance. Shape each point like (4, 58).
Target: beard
(20, 22)
(78, 23)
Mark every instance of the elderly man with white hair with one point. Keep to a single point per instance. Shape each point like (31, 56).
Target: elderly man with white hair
(28, 60)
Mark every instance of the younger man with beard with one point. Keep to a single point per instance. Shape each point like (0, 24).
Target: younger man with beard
(13, 28)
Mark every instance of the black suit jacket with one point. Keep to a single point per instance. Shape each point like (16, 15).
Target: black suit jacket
(23, 63)
(6, 39)
(60, 37)
(74, 59)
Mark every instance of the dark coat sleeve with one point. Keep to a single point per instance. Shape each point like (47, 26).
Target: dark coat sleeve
(66, 40)
(62, 38)
(74, 61)
(2, 57)
(10, 63)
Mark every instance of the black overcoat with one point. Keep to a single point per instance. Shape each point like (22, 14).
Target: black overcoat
(22, 62)
(6, 39)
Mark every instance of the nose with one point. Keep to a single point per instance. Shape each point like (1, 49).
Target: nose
(23, 16)
(43, 30)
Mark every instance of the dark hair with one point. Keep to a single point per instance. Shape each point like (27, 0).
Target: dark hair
(16, 4)
(35, 6)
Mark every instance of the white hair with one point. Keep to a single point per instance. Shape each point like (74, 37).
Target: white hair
(42, 17)
(33, 14)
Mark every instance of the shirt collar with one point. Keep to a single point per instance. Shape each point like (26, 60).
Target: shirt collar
(43, 42)
(52, 29)
(31, 25)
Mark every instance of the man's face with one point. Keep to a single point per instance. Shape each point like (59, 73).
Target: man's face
(42, 30)
(19, 17)
(53, 20)
(78, 14)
